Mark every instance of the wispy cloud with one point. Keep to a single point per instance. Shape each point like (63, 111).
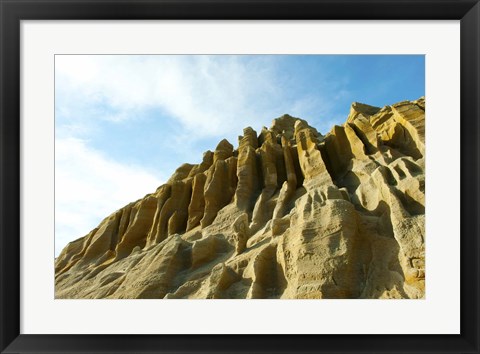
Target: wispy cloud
(124, 84)
(208, 95)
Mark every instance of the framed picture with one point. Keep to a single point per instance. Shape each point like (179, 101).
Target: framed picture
(342, 227)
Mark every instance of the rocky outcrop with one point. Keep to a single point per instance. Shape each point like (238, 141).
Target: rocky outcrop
(289, 214)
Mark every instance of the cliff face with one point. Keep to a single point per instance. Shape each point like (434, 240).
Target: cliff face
(290, 213)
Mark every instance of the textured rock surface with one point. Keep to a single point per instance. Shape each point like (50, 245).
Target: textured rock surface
(290, 213)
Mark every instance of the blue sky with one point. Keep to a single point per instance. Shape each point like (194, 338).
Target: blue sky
(123, 123)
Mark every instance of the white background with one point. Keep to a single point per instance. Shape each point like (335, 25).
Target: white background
(438, 313)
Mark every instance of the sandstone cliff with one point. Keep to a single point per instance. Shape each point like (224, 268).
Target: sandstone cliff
(289, 214)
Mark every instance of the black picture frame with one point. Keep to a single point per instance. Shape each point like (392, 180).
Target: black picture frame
(12, 12)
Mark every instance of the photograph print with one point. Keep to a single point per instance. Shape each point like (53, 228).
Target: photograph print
(240, 177)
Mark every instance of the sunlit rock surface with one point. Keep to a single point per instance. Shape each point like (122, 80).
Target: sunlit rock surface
(289, 214)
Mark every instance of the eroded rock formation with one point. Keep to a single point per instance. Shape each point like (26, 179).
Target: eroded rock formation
(290, 213)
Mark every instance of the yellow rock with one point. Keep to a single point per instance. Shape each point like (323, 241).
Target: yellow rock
(247, 172)
(196, 207)
(288, 214)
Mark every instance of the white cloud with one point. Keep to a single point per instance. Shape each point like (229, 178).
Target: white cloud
(209, 95)
(89, 187)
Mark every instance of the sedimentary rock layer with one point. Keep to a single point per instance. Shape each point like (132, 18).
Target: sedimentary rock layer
(289, 214)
